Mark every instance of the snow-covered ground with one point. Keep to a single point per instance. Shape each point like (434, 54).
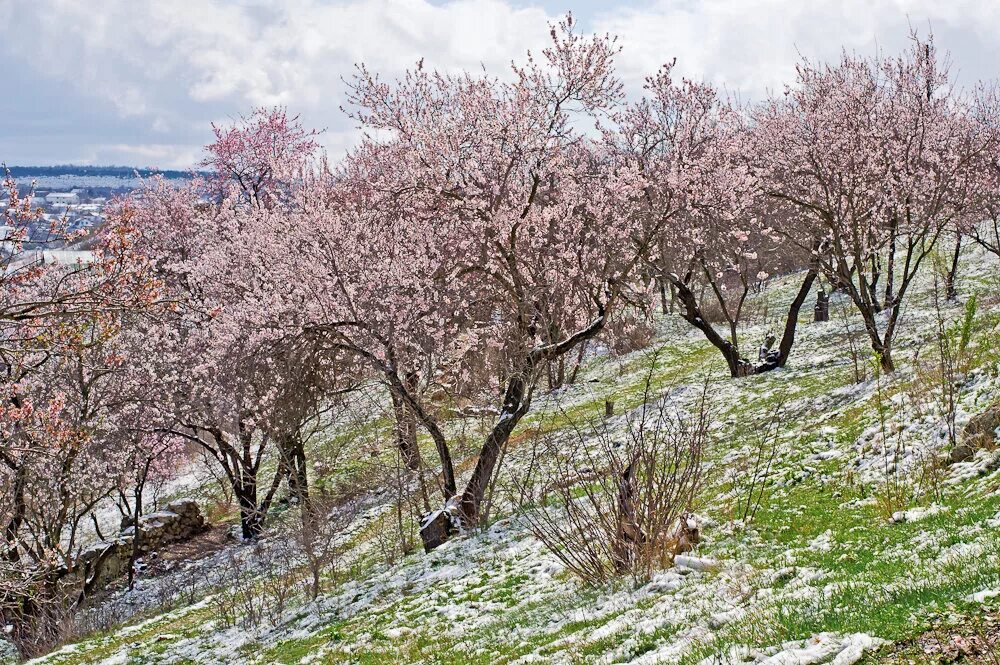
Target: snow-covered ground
(863, 531)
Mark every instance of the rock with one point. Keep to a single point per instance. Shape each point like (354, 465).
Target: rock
(978, 441)
(9, 654)
(961, 453)
(437, 527)
(983, 427)
(107, 560)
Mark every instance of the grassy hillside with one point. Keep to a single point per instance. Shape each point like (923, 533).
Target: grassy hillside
(866, 537)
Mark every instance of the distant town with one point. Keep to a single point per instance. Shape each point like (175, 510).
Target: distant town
(75, 196)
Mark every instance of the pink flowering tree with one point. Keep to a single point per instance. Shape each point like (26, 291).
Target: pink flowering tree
(191, 360)
(717, 241)
(235, 378)
(51, 317)
(60, 458)
(880, 157)
(532, 250)
(260, 155)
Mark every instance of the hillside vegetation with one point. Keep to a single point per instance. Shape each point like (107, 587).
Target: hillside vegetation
(822, 567)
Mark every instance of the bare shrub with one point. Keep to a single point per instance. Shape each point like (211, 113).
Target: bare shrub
(237, 599)
(258, 585)
(895, 492)
(750, 471)
(319, 540)
(855, 344)
(611, 497)
(34, 605)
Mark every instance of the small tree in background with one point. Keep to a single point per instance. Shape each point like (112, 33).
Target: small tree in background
(880, 156)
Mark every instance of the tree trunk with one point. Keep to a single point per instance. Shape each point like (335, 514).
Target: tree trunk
(629, 535)
(890, 268)
(406, 431)
(885, 360)
(792, 320)
(515, 404)
(577, 364)
(17, 518)
(873, 285)
(298, 479)
(738, 367)
(952, 282)
(251, 521)
(136, 533)
(450, 487)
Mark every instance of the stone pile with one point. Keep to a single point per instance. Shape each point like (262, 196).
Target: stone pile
(105, 561)
(180, 520)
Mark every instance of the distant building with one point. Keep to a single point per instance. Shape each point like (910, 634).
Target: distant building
(65, 256)
(62, 198)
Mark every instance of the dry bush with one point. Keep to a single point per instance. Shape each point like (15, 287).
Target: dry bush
(856, 343)
(36, 608)
(318, 540)
(238, 599)
(610, 503)
(296, 561)
(895, 492)
(752, 466)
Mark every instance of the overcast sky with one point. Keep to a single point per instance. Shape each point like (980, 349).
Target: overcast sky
(138, 82)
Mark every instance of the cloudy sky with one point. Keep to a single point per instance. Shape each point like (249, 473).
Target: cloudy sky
(138, 82)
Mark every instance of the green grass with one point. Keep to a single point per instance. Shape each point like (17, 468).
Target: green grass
(875, 577)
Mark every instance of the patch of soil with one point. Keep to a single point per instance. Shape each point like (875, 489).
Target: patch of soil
(972, 639)
(210, 541)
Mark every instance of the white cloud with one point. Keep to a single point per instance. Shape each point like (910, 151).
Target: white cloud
(157, 155)
(170, 67)
(752, 46)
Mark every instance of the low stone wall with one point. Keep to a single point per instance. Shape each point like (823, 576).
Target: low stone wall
(181, 520)
(106, 561)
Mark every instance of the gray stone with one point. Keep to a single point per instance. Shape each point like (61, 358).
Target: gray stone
(107, 560)
(435, 529)
(9, 654)
(961, 453)
(983, 426)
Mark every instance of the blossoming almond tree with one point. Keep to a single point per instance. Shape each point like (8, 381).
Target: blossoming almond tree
(881, 156)
(227, 357)
(259, 155)
(537, 250)
(60, 393)
(717, 240)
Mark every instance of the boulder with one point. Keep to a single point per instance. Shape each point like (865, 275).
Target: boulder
(961, 453)
(9, 655)
(979, 433)
(437, 527)
(983, 427)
